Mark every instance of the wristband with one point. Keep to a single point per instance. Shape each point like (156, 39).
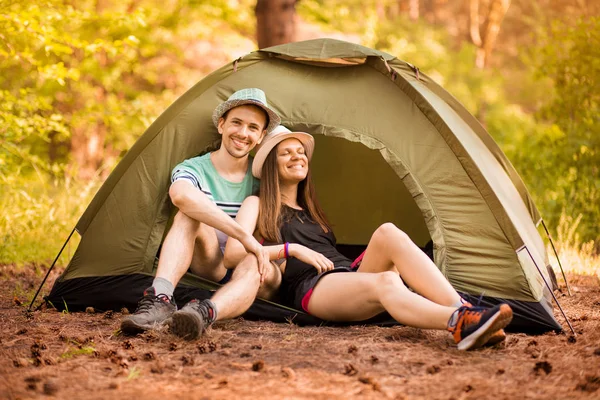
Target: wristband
(286, 248)
(279, 253)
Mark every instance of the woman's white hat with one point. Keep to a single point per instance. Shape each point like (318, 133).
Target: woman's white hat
(278, 135)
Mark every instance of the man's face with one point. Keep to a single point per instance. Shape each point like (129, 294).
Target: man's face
(242, 129)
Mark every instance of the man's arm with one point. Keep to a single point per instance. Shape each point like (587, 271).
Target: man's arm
(247, 218)
(195, 204)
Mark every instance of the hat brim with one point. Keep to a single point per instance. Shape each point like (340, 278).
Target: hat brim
(222, 108)
(265, 148)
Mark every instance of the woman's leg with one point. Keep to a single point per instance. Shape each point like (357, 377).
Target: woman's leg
(390, 249)
(272, 281)
(349, 296)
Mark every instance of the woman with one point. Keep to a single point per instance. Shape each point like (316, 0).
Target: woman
(322, 282)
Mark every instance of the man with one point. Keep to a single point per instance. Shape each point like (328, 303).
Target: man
(208, 191)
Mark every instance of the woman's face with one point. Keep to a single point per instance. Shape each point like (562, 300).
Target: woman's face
(292, 163)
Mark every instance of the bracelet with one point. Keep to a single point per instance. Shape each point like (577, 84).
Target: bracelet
(279, 255)
(286, 247)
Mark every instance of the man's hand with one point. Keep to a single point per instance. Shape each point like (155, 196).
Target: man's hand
(262, 255)
(308, 256)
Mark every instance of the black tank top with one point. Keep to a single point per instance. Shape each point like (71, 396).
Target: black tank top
(299, 228)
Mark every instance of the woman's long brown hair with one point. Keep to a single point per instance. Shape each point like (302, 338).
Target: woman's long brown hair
(270, 215)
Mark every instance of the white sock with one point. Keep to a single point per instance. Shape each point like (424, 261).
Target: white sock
(163, 286)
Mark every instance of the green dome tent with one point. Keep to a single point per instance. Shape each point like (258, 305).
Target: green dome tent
(391, 145)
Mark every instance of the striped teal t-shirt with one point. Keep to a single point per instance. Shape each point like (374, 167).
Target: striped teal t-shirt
(228, 196)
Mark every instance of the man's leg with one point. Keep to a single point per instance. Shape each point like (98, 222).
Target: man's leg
(185, 238)
(237, 295)
(207, 258)
(230, 301)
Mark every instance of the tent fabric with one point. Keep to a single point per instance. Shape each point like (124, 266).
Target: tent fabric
(391, 146)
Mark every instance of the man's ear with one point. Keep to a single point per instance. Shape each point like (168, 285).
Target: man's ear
(262, 136)
(220, 125)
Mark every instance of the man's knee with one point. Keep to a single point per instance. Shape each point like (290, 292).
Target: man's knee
(183, 223)
(248, 262)
(247, 269)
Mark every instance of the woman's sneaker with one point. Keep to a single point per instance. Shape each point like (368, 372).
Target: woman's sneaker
(472, 326)
(497, 337)
(152, 311)
(192, 320)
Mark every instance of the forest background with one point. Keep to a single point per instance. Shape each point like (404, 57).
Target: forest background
(81, 80)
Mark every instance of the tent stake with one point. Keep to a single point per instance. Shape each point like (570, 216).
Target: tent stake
(556, 254)
(50, 270)
(551, 292)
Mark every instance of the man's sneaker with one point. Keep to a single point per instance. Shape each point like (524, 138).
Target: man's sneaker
(152, 311)
(192, 320)
(472, 326)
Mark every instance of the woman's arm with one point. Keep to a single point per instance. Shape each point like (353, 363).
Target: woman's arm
(247, 218)
(309, 256)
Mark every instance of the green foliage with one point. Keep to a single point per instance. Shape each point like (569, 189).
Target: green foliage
(568, 152)
(558, 153)
(86, 72)
(73, 72)
(432, 51)
(557, 149)
(63, 69)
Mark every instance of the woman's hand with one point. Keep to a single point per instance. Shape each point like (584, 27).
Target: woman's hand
(308, 256)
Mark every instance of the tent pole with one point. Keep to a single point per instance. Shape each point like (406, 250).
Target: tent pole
(551, 292)
(50, 270)
(556, 254)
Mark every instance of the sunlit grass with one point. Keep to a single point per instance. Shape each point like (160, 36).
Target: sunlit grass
(134, 373)
(580, 261)
(37, 217)
(575, 257)
(77, 351)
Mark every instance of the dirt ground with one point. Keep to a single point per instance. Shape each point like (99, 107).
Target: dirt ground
(48, 354)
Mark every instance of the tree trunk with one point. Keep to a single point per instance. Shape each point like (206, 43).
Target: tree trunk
(87, 142)
(498, 9)
(474, 22)
(380, 9)
(413, 9)
(275, 22)
(394, 10)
